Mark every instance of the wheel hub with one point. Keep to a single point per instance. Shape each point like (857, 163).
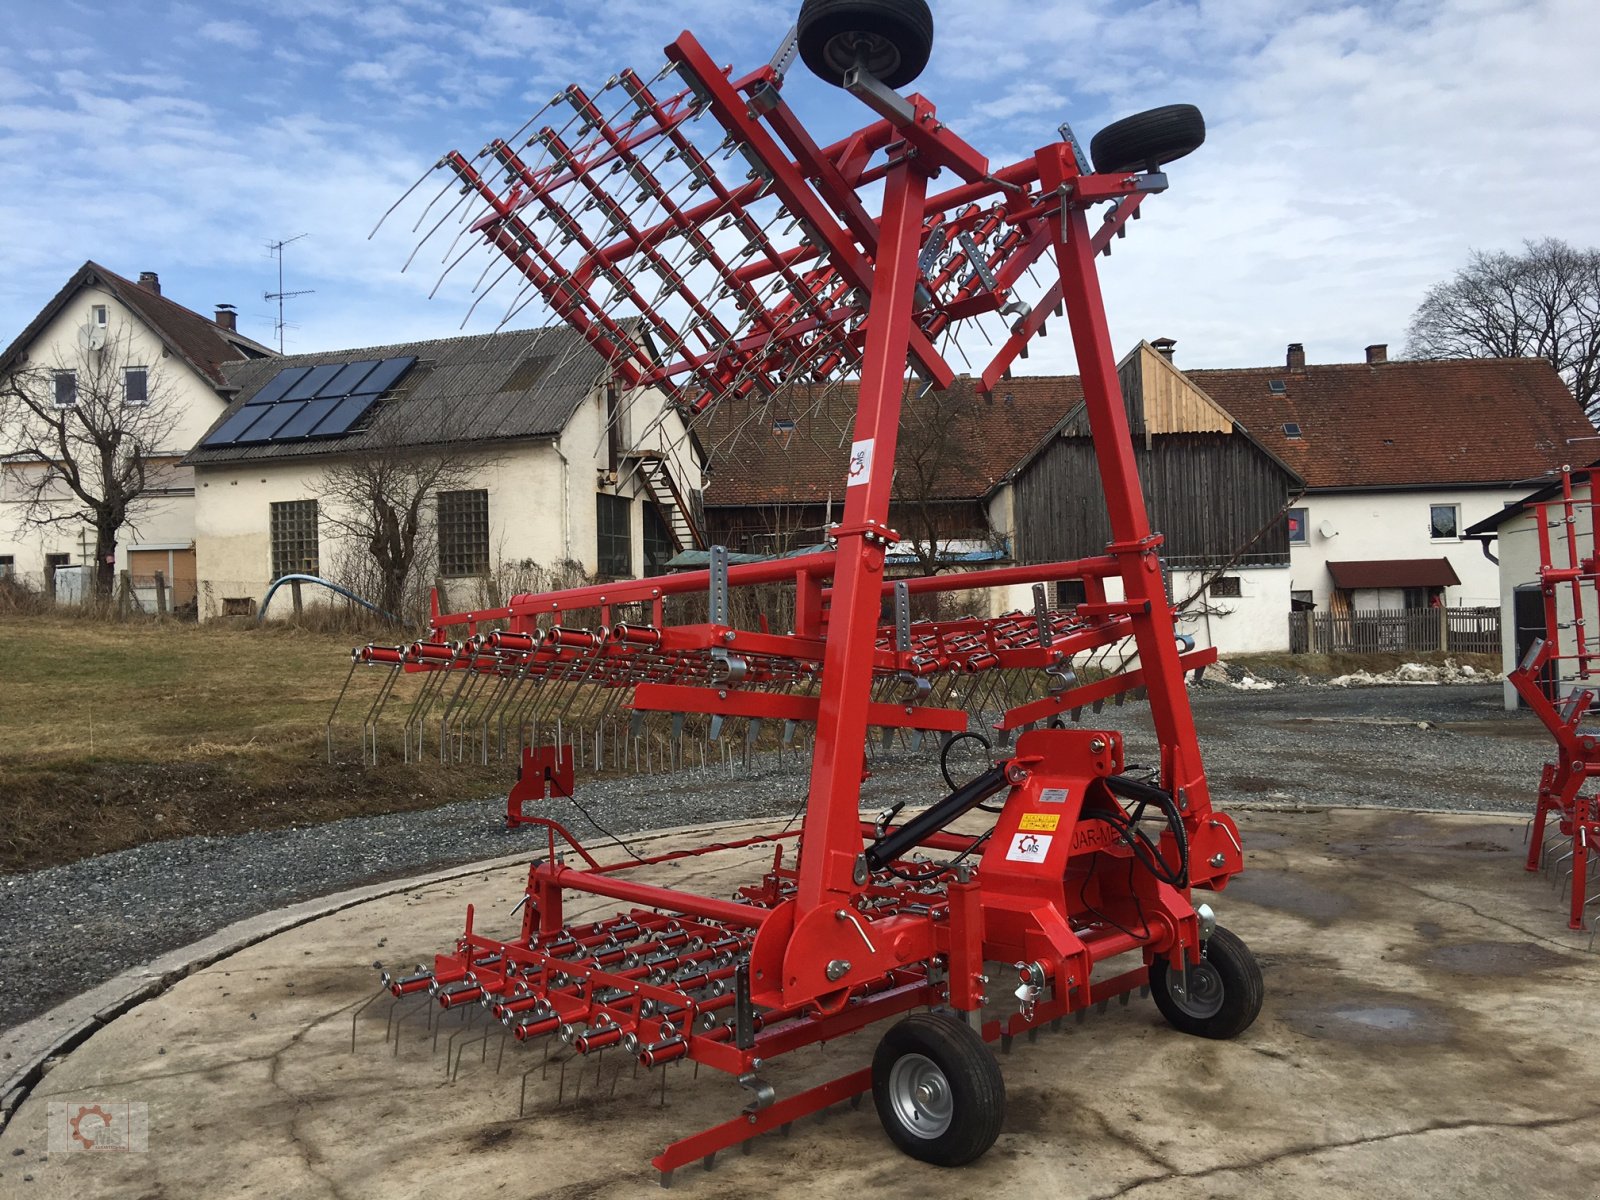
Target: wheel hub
(875, 53)
(920, 1095)
(1204, 993)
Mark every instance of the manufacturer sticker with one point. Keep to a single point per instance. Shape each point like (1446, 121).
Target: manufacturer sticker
(1039, 822)
(1053, 796)
(1028, 847)
(860, 462)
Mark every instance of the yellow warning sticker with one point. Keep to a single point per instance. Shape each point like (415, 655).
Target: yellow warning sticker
(1040, 822)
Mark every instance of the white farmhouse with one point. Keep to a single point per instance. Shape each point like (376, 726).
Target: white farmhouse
(548, 469)
(148, 353)
(1399, 458)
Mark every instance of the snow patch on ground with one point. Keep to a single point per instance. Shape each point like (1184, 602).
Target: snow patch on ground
(1421, 674)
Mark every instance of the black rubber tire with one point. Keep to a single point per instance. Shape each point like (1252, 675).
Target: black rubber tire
(1226, 964)
(899, 32)
(1146, 140)
(976, 1090)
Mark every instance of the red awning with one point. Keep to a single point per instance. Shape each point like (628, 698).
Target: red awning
(1393, 573)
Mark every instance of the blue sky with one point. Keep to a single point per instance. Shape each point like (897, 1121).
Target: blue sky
(1356, 150)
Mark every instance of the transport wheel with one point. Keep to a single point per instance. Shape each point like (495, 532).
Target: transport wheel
(1146, 140)
(1225, 989)
(892, 38)
(938, 1089)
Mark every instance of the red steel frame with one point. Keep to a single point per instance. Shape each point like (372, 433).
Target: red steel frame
(1565, 652)
(822, 946)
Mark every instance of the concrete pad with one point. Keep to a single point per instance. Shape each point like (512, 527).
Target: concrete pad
(1428, 1031)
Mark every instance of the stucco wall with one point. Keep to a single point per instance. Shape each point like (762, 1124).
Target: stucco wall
(542, 508)
(1255, 621)
(167, 521)
(1377, 525)
(1518, 550)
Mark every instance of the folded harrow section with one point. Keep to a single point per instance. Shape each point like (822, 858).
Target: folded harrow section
(1557, 680)
(817, 264)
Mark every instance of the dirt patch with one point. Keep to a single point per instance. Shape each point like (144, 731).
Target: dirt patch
(63, 814)
(1376, 1019)
(1494, 958)
(1291, 893)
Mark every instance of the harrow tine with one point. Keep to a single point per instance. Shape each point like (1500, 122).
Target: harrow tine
(355, 1016)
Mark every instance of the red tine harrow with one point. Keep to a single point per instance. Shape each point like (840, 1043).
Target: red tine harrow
(817, 263)
(1555, 680)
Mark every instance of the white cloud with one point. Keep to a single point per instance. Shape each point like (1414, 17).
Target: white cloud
(1356, 149)
(231, 33)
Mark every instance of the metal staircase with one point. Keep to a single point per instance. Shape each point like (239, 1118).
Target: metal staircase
(678, 514)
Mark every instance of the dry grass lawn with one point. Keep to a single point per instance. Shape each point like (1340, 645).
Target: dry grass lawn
(116, 734)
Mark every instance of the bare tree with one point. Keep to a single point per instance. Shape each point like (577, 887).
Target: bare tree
(381, 501)
(938, 431)
(83, 438)
(1542, 303)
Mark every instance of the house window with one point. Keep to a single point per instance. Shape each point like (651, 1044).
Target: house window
(1070, 593)
(463, 533)
(8, 567)
(294, 538)
(135, 387)
(1225, 586)
(1444, 521)
(1298, 532)
(66, 389)
(658, 544)
(613, 518)
(1301, 601)
(98, 315)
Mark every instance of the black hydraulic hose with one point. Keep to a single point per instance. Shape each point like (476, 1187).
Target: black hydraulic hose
(895, 844)
(1143, 794)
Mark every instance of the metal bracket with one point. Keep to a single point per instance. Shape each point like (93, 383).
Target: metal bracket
(744, 1015)
(1041, 613)
(719, 585)
(765, 1095)
(879, 96)
(902, 617)
(1067, 136)
(979, 261)
(787, 49)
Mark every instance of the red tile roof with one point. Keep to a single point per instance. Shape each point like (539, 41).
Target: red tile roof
(200, 341)
(1409, 424)
(1393, 573)
(983, 438)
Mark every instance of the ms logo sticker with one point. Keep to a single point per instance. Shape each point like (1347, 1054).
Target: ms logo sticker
(1028, 847)
(860, 462)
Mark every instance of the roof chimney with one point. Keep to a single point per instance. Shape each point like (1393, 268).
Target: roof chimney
(227, 318)
(1297, 358)
(1165, 346)
(1378, 352)
(151, 281)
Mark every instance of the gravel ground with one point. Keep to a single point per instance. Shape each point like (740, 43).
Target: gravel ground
(67, 928)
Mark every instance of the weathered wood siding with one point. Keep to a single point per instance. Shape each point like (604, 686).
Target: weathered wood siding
(1209, 494)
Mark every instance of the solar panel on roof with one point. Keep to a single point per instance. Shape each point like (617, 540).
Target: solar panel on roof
(272, 420)
(346, 380)
(313, 380)
(275, 388)
(228, 432)
(306, 419)
(326, 400)
(384, 376)
(343, 418)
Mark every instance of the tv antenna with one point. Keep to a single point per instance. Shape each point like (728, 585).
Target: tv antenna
(276, 250)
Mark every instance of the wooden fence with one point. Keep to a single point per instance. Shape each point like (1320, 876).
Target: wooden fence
(1451, 630)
